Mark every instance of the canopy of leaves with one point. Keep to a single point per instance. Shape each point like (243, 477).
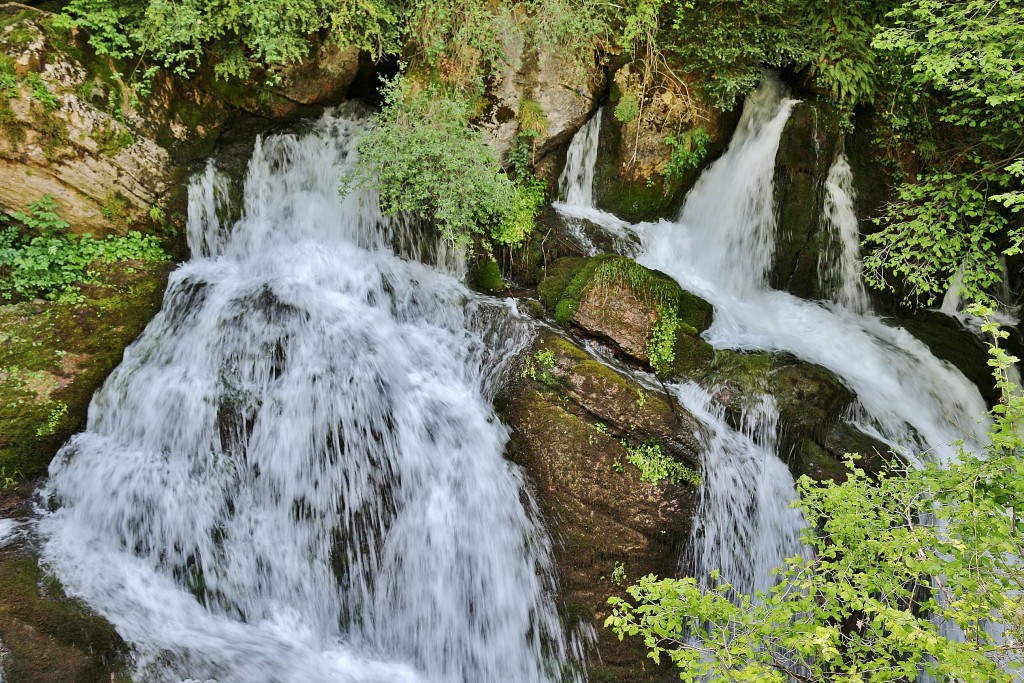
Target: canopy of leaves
(954, 102)
(424, 159)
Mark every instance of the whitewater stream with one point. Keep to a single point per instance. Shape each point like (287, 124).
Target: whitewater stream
(296, 475)
(720, 247)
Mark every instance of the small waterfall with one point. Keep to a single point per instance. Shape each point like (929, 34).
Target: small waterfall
(209, 210)
(745, 526)
(731, 209)
(295, 474)
(576, 184)
(587, 224)
(840, 219)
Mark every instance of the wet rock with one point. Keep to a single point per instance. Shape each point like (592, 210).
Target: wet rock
(634, 153)
(950, 341)
(46, 637)
(810, 144)
(642, 312)
(549, 90)
(810, 399)
(569, 418)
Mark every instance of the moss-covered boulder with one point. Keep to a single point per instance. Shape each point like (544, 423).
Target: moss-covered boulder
(810, 144)
(53, 356)
(592, 443)
(642, 312)
(812, 436)
(636, 176)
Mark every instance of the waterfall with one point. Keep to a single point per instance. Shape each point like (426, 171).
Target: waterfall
(720, 248)
(745, 525)
(840, 221)
(576, 184)
(583, 221)
(295, 475)
(731, 209)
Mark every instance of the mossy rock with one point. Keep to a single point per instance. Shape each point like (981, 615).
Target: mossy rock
(48, 637)
(485, 276)
(641, 311)
(810, 143)
(55, 355)
(569, 416)
(810, 399)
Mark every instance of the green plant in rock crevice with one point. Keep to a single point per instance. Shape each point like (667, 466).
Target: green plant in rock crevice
(39, 259)
(656, 466)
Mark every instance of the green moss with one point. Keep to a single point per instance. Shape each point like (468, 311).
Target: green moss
(112, 139)
(551, 288)
(485, 276)
(115, 208)
(693, 356)
(49, 636)
(53, 356)
(676, 312)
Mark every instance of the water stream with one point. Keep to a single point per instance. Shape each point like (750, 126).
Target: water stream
(295, 475)
(720, 247)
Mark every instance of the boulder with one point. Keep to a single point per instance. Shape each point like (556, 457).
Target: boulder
(642, 312)
(573, 423)
(810, 143)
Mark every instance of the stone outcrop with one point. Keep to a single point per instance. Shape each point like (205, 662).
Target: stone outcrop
(634, 152)
(548, 90)
(55, 139)
(615, 299)
(572, 422)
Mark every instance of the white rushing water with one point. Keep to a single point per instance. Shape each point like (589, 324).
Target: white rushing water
(576, 191)
(721, 248)
(295, 475)
(8, 531)
(842, 261)
(746, 525)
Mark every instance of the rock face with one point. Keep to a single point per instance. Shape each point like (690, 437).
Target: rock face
(634, 153)
(552, 92)
(573, 424)
(810, 143)
(54, 139)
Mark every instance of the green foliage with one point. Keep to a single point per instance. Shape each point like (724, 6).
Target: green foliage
(657, 466)
(864, 607)
(53, 420)
(41, 93)
(688, 151)
(538, 367)
(955, 100)
(424, 159)
(9, 480)
(628, 108)
(41, 260)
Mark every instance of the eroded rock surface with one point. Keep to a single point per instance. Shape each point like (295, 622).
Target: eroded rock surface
(573, 422)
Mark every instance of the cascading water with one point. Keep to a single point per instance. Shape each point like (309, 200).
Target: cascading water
(842, 262)
(745, 498)
(721, 248)
(296, 474)
(576, 189)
